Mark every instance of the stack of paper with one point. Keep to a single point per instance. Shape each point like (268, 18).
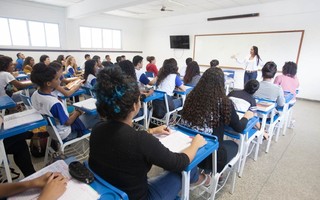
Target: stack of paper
(75, 189)
(265, 106)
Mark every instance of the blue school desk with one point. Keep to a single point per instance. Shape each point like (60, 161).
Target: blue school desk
(22, 77)
(12, 132)
(76, 93)
(154, 96)
(210, 148)
(5, 103)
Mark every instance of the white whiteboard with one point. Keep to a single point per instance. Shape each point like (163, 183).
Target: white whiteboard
(277, 46)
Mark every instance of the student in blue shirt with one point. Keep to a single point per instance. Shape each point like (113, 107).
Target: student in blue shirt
(69, 127)
(141, 76)
(19, 61)
(90, 71)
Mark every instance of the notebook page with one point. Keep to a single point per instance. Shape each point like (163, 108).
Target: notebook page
(75, 189)
(17, 119)
(176, 141)
(89, 104)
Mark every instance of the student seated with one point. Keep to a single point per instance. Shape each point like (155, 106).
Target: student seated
(72, 68)
(168, 81)
(90, 71)
(192, 75)
(267, 89)
(288, 80)
(208, 109)
(69, 127)
(53, 185)
(243, 100)
(141, 76)
(151, 66)
(123, 156)
(6, 78)
(27, 65)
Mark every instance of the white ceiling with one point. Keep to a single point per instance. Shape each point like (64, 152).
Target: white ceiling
(143, 9)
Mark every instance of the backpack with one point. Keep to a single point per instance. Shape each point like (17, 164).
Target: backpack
(38, 144)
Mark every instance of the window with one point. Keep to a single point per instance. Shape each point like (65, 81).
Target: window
(100, 38)
(16, 32)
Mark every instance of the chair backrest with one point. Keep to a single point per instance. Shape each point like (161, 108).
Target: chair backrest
(229, 73)
(117, 194)
(53, 131)
(149, 74)
(26, 101)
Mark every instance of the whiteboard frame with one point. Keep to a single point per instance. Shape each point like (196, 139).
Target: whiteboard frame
(248, 33)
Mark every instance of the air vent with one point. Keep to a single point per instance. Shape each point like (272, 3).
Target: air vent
(234, 17)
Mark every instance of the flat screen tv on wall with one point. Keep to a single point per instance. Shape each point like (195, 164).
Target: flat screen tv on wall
(179, 42)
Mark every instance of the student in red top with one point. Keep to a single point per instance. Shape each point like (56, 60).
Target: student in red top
(151, 67)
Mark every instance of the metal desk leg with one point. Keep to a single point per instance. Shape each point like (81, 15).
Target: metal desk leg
(3, 158)
(185, 185)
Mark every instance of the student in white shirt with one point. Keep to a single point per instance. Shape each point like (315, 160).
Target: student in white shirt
(90, 71)
(168, 80)
(251, 64)
(6, 78)
(71, 66)
(69, 127)
(141, 76)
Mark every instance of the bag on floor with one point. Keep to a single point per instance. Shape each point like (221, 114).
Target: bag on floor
(38, 144)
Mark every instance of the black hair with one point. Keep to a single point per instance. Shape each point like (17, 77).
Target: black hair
(169, 66)
(289, 69)
(5, 63)
(18, 54)
(269, 70)
(192, 70)
(251, 86)
(56, 65)
(118, 59)
(60, 58)
(107, 64)
(41, 74)
(214, 63)
(89, 68)
(43, 58)
(106, 56)
(27, 61)
(96, 58)
(137, 59)
(188, 60)
(86, 55)
(116, 94)
(256, 53)
(128, 68)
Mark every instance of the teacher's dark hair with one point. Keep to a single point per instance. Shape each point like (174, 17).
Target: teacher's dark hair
(289, 69)
(256, 53)
(214, 63)
(269, 70)
(116, 93)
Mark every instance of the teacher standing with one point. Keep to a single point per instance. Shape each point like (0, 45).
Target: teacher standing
(251, 64)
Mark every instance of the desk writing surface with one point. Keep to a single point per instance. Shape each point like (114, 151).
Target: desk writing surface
(6, 102)
(153, 96)
(76, 93)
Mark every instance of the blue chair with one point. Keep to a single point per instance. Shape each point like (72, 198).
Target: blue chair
(26, 101)
(88, 91)
(229, 73)
(150, 74)
(105, 189)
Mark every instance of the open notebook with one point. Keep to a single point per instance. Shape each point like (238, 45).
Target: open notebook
(176, 141)
(21, 118)
(73, 83)
(88, 104)
(75, 189)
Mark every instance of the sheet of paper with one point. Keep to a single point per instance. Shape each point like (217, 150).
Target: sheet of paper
(89, 104)
(176, 141)
(75, 189)
(21, 118)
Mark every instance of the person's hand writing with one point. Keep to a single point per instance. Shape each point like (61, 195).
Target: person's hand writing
(198, 141)
(54, 188)
(160, 130)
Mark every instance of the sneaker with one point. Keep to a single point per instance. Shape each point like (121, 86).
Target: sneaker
(202, 180)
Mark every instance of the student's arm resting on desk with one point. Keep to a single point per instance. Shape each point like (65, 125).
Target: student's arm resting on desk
(235, 123)
(159, 155)
(57, 111)
(53, 184)
(20, 85)
(179, 84)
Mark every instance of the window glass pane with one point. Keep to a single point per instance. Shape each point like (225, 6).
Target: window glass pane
(85, 37)
(37, 36)
(19, 32)
(5, 33)
(52, 35)
(116, 35)
(107, 38)
(96, 38)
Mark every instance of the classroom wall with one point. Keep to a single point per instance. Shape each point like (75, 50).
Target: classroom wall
(282, 15)
(69, 29)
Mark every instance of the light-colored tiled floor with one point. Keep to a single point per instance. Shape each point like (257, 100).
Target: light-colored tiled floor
(291, 169)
